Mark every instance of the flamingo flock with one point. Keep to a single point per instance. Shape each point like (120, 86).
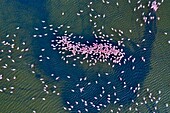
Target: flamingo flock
(97, 52)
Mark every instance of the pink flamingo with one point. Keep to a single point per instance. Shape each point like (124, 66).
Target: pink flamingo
(154, 6)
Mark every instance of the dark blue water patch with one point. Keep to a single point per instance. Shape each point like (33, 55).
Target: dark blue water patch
(38, 76)
(88, 95)
(132, 78)
(38, 6)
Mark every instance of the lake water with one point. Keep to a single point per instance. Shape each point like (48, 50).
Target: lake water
(131, 84)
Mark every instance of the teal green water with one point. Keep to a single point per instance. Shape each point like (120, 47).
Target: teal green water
(28, 93)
